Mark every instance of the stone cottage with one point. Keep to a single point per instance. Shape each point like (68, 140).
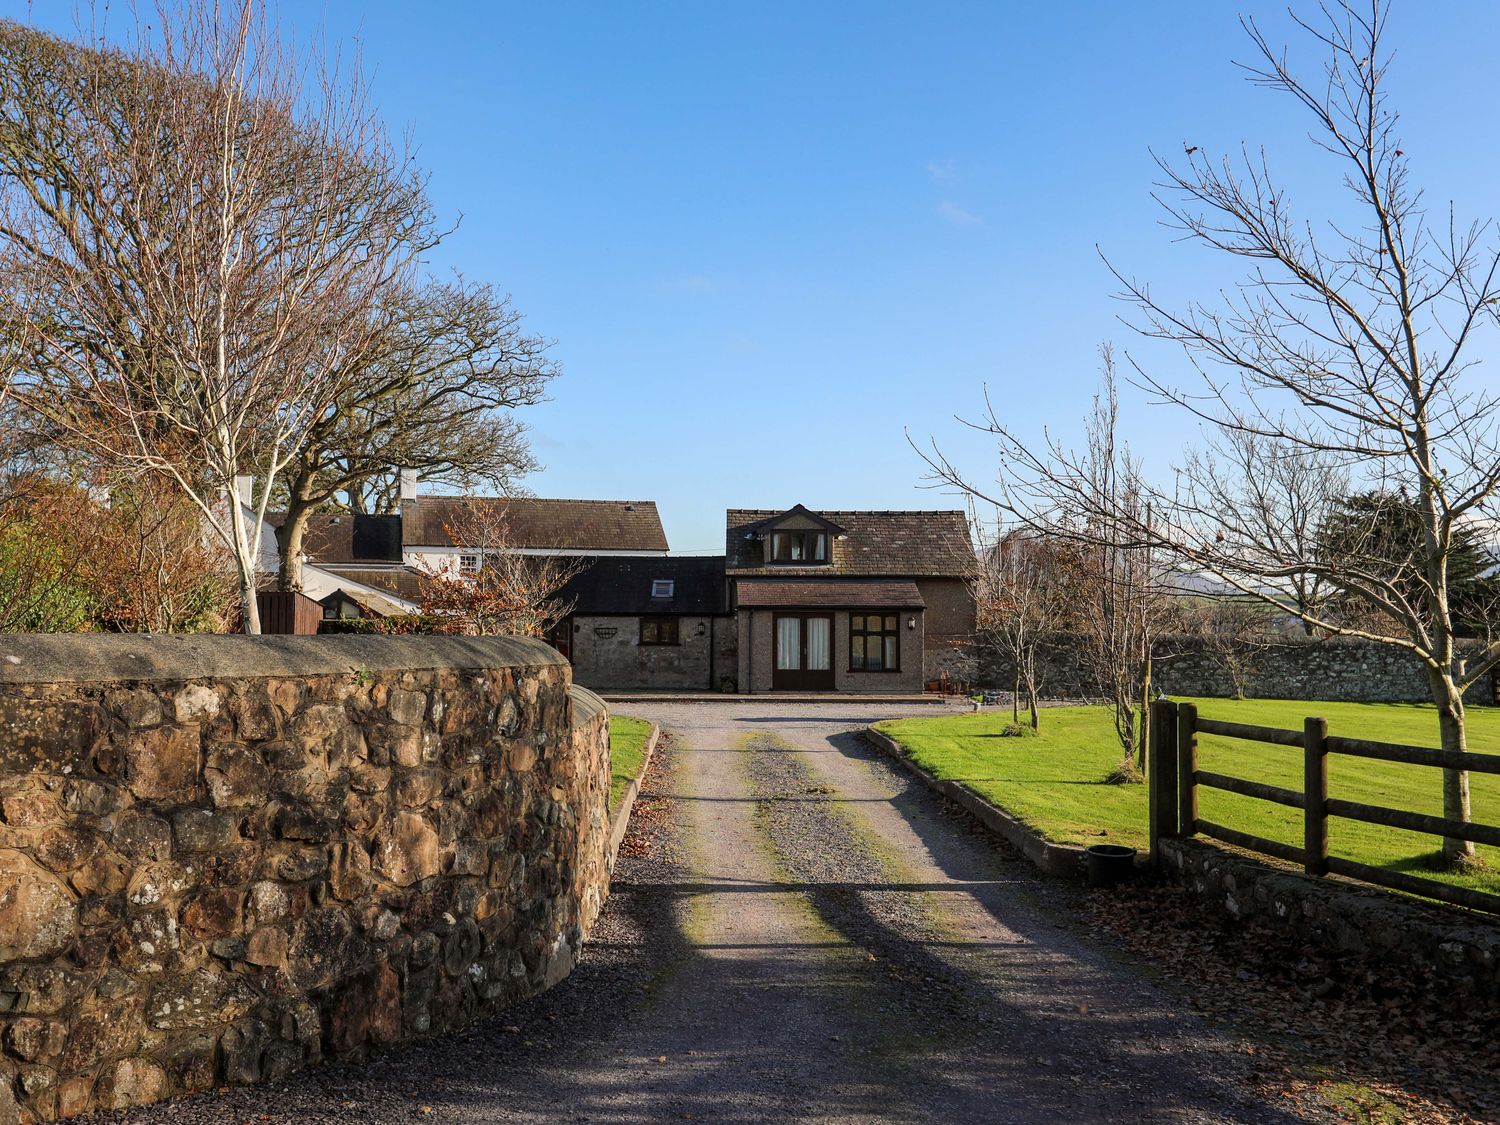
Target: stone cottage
(849, 600)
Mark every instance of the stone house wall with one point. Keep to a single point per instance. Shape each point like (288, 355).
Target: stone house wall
(225, 858)
(757, 655)
(948, 628)
(607, 653)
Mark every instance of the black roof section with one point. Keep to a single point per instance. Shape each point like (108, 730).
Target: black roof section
(623, 584)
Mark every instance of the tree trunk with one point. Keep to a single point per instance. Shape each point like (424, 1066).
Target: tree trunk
(1015, 696)
(249, 606)
(1454, 732)
(246, 558)
(289, 537)
(1145, 741)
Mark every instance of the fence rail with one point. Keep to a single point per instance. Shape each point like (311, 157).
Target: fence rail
(1175, 779)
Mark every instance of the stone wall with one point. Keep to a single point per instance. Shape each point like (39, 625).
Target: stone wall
(1356, 671)
(224, 858)
(1458, 945)
(607, 654)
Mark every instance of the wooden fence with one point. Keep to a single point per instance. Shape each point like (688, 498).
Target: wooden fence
(1175, 778)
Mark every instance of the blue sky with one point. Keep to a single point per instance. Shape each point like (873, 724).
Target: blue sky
(768, 238)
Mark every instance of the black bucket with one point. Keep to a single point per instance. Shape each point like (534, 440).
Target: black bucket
(1108, 865)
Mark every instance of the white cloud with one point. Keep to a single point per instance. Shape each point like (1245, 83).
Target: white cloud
(941, 171)
(955, 214)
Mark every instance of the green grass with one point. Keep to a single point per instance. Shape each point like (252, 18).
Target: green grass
(1055, 783)
(627, 746)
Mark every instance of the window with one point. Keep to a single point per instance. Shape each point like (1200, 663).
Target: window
(874, 642)
(662, 587)
(799, 547)
(658, 630)
(468, 565)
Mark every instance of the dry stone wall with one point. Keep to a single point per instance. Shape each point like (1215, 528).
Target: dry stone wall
(1350, 670)
(222, 859)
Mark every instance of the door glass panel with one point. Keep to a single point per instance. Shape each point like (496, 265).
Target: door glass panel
(819, 659)
(788, 644)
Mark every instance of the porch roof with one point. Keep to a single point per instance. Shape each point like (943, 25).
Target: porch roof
(799, 593)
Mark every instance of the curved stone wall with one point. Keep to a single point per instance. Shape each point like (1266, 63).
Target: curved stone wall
(224, 858)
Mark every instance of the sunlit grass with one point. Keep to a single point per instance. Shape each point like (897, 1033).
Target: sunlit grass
(1055, 783)
(627, 746)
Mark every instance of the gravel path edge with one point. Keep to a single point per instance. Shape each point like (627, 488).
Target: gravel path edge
(1064, 861)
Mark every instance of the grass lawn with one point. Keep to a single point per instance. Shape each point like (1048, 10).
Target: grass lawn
(1054, 783)
(627, 745)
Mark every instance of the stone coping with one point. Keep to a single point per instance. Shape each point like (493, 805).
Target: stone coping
(53, 658)
(585, 704)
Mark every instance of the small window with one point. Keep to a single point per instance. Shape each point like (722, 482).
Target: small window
(799, 547)
(662, 587)
(874, 642)
(658, 630)
(468, 564)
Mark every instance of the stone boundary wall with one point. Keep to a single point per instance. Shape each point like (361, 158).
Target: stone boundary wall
(225, 858)
(1342, 669)
(1343, 917)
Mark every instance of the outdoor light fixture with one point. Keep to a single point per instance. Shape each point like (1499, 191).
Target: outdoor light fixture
(911, 622)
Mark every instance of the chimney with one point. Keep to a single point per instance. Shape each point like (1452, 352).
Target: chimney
(244, 488)
(409, 482)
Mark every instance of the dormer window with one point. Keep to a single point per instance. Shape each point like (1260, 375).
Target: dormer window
(662, 587)
(806, 547)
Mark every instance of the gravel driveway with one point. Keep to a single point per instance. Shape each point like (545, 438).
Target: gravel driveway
(801, 931)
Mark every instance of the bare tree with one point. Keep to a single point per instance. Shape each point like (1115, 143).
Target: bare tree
(1121, 613)
(445, 369)
(196, 231)
(1025, 590)
(1092, 500)
(1349, 342)
(505, 591)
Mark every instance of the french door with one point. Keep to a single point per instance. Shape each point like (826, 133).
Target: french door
(804, 652)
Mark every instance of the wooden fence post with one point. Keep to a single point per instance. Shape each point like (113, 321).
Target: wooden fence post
(1187, 768)
(1315, 796)
(1161, 774)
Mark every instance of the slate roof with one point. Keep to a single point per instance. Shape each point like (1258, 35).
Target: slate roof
(402, 581)
(620, 584)
(877, 544)
(833, 593)
(537, 524)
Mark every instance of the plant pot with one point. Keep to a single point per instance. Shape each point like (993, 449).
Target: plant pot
(1109, 865)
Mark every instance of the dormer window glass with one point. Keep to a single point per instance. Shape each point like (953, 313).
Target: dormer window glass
(804, 547)
(662, 587)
